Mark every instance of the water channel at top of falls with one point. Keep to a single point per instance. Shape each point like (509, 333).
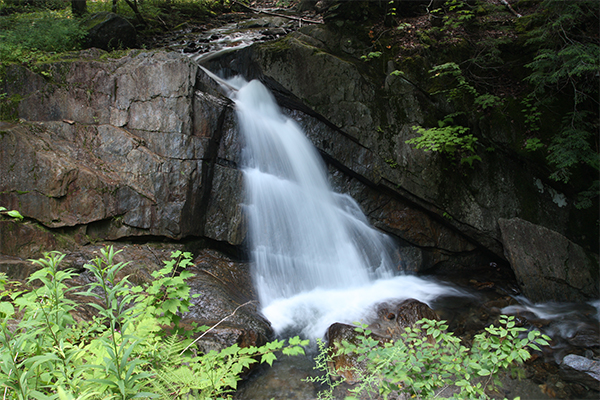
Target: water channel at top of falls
(317, 261)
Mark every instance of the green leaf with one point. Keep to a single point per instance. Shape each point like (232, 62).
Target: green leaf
(268, 358)
(15, 214)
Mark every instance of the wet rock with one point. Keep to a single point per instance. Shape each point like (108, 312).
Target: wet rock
(226, 300)
(16, 268)
(318, 72)
(548, 266)
(581, 370)
(274, 32)
(586, 336)
(392, 319)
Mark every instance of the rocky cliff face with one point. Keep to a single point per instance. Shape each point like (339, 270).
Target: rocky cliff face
(360, 119)
(124, 148)
(145, 146)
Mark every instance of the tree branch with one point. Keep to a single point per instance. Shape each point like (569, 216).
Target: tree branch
(257, 11)
(217, 324)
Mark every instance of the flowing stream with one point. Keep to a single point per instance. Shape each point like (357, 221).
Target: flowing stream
(316, 260)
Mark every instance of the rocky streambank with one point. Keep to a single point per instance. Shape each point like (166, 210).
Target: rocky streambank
(140, 148)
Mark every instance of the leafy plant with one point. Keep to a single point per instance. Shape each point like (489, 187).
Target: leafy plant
(168, 296)
(216, 373)
(565, 70)
(533, 144)
(371, 55)
(116, 308)
(428, 359)
(38, 355)
(458, 88)
(448, 139)
(123, 352)
(11, 213)
(323, 360)
(459, 13)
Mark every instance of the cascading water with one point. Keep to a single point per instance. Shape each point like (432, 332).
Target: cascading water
(316, 260)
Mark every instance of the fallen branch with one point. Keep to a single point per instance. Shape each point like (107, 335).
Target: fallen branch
(257, 11)
(215, 325)
(512, 10)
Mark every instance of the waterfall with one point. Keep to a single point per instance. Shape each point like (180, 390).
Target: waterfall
(315, 258)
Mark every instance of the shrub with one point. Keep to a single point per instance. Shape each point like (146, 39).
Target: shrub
(448, 139)
(429, 359)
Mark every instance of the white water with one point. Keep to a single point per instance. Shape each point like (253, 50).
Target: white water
(315, 258)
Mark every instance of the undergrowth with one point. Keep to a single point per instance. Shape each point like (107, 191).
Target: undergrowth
(132, 348)
(427, 361)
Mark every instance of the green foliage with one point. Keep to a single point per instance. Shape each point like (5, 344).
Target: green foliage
(11, 213)
(371, 55)
(322, 362)
(38, 355)
(428, 359)
(565, 70)
(123, 353)
(216, 373)
(168, 296)
(24, 37)
(448, 139)
(487, 100)
(12, 6)
(454, 14)
(458, 87)
(115, 308)
(459, 12)
(533, 144)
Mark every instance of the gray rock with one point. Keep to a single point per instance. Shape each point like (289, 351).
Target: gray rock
(225, 298)
(581, 370)
(125, 147)
(548, 266)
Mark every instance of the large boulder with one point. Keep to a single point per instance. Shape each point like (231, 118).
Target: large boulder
(548, 266)
(225, 300)
(109, 31)
(387, 324)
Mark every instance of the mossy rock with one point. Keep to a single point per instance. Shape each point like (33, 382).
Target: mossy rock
(109, 31)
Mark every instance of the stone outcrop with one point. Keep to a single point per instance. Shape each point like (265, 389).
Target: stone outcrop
(124, 147)
(145, 145)
(548, 266)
